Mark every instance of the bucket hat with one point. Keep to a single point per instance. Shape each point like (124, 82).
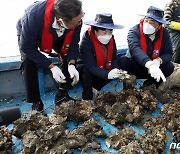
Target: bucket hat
(104, 20)
(156, 14)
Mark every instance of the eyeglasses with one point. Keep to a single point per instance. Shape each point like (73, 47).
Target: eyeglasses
(77, 23)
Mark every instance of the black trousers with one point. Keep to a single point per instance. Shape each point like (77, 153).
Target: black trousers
(90, 81)
(30, 74)
(142, 73)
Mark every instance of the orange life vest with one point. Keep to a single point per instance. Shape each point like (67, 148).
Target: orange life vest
(143, 43)
(47, 38)
(100, 53)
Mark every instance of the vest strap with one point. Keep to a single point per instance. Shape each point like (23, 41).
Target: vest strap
(143, 43)
(100, 53)
(47, 38)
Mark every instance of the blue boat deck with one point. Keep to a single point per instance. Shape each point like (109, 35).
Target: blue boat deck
(48, 99)
(13, 94)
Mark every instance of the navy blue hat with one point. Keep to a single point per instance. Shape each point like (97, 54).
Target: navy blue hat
(104, 20)
(156, 14)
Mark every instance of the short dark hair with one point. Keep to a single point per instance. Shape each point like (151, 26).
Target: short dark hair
(94, 28)
(67, 9)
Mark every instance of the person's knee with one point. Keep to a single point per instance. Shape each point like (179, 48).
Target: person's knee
(80, 68)
(167, 69)
(124, 63)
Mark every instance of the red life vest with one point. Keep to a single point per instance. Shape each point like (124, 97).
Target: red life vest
(99, 51)
(47, 38)
(157, 44)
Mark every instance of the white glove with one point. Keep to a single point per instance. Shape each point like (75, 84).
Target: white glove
(157, 61)
(116, 73)
(155, 71)
(58, 75)
(74, 74)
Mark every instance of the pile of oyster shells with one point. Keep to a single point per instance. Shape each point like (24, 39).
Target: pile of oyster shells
(5, 140)
(126, 106)
(52, 134)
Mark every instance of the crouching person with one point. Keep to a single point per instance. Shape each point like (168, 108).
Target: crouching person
(49, 25)
(150, 49)
(98, 52)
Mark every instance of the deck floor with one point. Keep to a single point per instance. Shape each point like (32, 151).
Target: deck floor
(48, 100)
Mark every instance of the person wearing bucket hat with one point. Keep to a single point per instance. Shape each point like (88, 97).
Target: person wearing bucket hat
(172, 14)
(149, 49)
(98, 52)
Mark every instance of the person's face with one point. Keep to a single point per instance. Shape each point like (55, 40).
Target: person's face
(103, 32)
(76, 21)
(152, 22)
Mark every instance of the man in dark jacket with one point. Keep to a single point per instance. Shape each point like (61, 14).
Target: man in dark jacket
(48, 25)
(98, 52)
(172, 14)
(150, 49)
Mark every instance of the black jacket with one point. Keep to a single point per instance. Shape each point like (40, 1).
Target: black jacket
(29, 29)
(88, 55)
(139, 56)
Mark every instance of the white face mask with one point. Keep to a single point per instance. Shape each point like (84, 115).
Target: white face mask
(104, 39)
(63, 24)
(148, 28)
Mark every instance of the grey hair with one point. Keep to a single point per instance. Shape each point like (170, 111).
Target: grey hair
(67, 9)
